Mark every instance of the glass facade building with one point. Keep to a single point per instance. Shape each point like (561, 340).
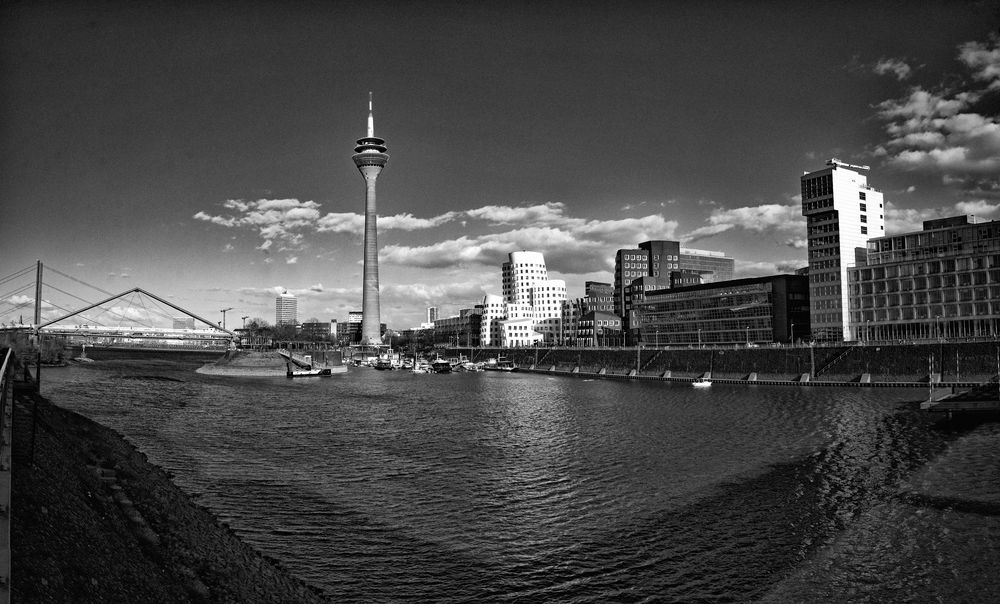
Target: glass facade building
(941, 282)
(743, 311)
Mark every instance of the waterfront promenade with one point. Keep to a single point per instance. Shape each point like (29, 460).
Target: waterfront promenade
(943, 365)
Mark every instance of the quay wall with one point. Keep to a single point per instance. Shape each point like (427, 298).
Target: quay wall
(949, 362)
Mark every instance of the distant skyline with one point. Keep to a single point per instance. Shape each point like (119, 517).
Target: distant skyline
(203, 152)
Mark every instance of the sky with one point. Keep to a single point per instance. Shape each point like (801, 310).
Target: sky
(202, 151)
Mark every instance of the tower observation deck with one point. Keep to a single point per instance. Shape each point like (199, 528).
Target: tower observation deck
(370, 157)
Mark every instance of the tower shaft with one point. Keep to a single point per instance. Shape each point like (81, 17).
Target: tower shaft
(371, 322)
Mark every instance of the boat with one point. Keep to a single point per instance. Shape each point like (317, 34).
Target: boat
(500, 364)
(701, 383)
(440, 365)
(384, 364)
(294, 373)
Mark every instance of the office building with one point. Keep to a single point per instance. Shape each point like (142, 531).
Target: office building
(183, 322)
(352, 334)
(754, 311)
(938, 283)
(370, 157)
(711, 267)
(842, 213)
(656, 260)
(600, 328)
(464, 329)
(285, 309)
(597, 297)
(432, 314)
(319, 330)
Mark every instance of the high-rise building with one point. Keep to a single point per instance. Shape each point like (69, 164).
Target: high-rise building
(370, 157)
(941, 282)
(432, 314)
(842, 213)
(655, 260)
(285, 309)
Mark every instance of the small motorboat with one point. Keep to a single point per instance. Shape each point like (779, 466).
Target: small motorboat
(701, 383)
(294, 373)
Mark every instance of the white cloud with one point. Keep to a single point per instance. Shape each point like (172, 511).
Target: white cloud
(984, 60)
(570, 245)
(745, 269)
(979, 208)
(896, 67)
(765, 217)
(940, 131)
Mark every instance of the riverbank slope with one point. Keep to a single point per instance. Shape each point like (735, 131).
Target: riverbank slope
(94, 521)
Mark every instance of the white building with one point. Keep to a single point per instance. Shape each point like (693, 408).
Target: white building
(842, 213)
(285, 309)
(530, 310)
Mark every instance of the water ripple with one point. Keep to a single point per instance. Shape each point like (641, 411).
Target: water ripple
(390, 487)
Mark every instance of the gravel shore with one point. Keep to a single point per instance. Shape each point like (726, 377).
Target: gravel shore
(94, 521)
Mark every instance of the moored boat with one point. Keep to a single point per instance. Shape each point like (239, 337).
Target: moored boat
(323, 372)
(440, 365)
(500, 364)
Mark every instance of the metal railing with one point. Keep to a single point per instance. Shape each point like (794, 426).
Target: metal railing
(6, 417)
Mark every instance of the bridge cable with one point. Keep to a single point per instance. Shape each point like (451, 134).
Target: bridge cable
(110, 312)
(17, 274)
(57, 271)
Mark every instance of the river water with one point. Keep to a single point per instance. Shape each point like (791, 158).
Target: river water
(390, 486)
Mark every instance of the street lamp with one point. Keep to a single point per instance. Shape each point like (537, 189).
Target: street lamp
(748, 336)
(699, 337)
(793, 335)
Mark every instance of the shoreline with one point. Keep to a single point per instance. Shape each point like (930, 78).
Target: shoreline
(95, 521)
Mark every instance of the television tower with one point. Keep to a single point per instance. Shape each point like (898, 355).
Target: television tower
(370, 157)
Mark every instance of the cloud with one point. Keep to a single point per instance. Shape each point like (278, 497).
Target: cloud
(407, 222)
(979, 208)
(745, 269)
(941, 131)
(908, 220)
(984, 60)
(896, 67)
(273, 219)
(292, 260)
(570, 245)
(765, 217)
(798, 244)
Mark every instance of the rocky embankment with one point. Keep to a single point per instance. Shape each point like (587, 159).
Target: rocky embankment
(94, 521)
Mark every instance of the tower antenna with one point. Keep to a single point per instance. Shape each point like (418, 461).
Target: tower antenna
(371, 117)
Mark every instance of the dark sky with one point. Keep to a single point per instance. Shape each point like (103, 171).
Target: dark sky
(203, 151)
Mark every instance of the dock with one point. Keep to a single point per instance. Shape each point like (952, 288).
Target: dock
(984, 398)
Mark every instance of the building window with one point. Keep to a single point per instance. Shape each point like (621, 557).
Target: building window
(864, 208)
(861, 194)
(864, 230)
(864, 218)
